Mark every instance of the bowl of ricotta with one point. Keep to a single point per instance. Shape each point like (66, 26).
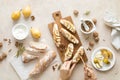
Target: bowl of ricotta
(20, 31)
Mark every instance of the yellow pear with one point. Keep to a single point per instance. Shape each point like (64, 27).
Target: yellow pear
(15, 15)
(26, 11)
(35, 33)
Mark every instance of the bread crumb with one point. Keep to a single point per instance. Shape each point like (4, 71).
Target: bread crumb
(32, 18)
(3, 56)
(9, 50)
(1, 44)
(5, 39)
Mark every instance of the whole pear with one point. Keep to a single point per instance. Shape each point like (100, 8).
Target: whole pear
(15, 15)
(35, 33)
(26, 11)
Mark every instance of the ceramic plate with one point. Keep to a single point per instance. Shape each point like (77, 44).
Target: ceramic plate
(105, 67)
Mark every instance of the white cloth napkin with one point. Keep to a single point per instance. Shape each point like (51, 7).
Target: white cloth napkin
(112, 22)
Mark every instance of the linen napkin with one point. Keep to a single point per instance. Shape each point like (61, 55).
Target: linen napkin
(111, 21)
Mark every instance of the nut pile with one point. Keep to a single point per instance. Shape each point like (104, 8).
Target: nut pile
(96, 39)
(96, 36)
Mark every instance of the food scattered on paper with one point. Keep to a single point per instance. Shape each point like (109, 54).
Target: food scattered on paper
(26, 11)
(56, 67)
(26, 57)
(15, 15)
(69, 36)
(56, 35)
(9, 50)
(89, 49)
(87, 12)
(76, 12)
(3, 56)
(35, 33)
(91, 43)
(68, 25)
(9, 41)
(94, 20)
(20, 47)
(5, 39)
(69, 52)
(43, 63)
(32, 18)
(1, 44)
(96, 39)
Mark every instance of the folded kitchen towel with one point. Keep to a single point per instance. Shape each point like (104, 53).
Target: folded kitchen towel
(115, 38)
(113, 22)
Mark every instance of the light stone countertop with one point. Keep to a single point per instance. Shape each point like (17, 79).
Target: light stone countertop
(42, 10)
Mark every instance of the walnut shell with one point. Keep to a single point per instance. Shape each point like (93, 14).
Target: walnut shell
(95, 34)
(96, 39)
(75, 12)
(91, 43)
(94, 20)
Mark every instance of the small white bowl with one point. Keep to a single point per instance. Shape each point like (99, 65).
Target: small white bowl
(20, 31)
(93, 29)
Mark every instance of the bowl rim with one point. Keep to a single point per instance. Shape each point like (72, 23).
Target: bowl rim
(17, 25)
(94, 27)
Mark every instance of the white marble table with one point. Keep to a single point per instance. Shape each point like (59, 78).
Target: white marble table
(42, 10)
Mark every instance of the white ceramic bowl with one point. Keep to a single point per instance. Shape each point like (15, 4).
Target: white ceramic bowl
(93, 29)
(104, 67)
(20, 31)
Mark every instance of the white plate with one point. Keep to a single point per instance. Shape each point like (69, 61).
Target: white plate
(105, 67)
